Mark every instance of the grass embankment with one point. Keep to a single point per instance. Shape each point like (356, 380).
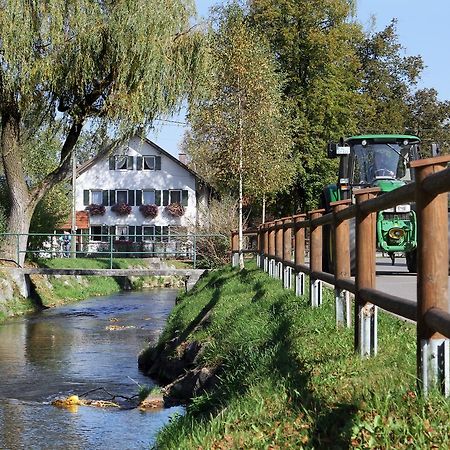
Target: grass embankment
(291, 380)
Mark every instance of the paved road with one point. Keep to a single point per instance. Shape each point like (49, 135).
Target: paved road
(396, 280)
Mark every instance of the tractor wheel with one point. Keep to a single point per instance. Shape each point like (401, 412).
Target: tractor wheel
(411, 261)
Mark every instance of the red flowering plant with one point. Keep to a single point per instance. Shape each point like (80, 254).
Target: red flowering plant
(121, 209)
(96, 210)
(150, 211)
(175, 209)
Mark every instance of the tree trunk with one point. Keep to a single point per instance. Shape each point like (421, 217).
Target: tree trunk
(241, 194)
(14, 246)
(264, 209)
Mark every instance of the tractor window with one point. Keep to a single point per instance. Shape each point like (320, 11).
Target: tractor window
(381, 161)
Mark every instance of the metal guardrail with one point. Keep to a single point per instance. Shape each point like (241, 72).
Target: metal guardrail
(280, 239)
(187, 247)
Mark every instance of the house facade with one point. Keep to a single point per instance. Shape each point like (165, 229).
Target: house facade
(140, 193)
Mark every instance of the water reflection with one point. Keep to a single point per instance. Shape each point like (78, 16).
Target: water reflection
(75, 349)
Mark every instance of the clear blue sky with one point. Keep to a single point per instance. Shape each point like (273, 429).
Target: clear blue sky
(423, 28)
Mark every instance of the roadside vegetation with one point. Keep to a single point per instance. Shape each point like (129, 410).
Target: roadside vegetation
(290, 379)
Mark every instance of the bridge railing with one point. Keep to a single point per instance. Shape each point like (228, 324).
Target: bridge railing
(187, 247)
(281, 253)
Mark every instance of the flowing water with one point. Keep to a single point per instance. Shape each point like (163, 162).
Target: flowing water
(72, 350)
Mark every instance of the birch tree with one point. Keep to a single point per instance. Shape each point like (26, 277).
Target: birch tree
(107, 65)
(239, 138)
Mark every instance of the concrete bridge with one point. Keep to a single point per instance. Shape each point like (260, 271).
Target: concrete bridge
(190, 276)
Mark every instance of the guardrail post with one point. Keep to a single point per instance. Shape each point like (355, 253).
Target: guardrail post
(341, 253)
(279, 248)
(271, 249)
(266, 246)
(111, 251)
(259, 241)
(18, 250)
(287, 252)
(234, 249)
(299, 237)
(315, 286)
(194, 248)
(365, 312)
(432, 278)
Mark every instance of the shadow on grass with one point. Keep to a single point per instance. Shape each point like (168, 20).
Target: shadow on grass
(331, 428)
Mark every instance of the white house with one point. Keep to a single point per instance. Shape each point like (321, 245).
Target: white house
(118, 189)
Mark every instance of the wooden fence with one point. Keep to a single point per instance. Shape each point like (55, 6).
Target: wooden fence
(281, 253)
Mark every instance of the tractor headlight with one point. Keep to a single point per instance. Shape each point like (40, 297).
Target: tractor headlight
(396, 233)
(403, 208)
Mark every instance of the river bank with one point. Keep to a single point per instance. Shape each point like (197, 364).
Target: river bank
(268, 371)
(49, 291)
(86, 349)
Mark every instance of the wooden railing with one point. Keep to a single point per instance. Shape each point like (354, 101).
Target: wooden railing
(281, 253)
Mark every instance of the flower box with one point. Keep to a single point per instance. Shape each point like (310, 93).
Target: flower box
(150, 211)
(175, 209)
(96, 210)
(121, 209)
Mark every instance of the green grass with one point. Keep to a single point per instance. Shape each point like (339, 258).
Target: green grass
(290, 379)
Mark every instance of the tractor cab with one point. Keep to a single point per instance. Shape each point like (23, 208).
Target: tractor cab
(375, 161)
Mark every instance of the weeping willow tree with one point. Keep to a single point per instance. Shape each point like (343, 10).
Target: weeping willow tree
(105, 66)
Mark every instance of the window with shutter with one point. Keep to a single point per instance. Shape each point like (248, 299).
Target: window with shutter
(122, 196)
(184, 197)
(149, 197)
(97, 197)
(138, 197)
(175, 196)
(149, 163)
(165, 198)
(158, 198)
(131, 198)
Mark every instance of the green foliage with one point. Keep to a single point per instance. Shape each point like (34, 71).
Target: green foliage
(388, 78)
(430, 119)
(107, 68)
(315, 46)
(290, 379)
(240, 126)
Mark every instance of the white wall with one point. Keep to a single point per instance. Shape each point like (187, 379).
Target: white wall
(171, 176)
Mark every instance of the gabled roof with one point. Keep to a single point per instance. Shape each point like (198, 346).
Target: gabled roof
(91, 162)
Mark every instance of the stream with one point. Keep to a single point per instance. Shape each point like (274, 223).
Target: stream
(72, 350)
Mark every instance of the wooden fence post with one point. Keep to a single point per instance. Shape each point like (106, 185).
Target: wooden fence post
(287, 252)
(299, 237)
(279, 248)
(432, 278)
(315, 286)
(341, 253)
(234, 249)
(272, 249)
(365, 312)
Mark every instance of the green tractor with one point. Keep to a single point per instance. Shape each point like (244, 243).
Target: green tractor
(376, 161)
